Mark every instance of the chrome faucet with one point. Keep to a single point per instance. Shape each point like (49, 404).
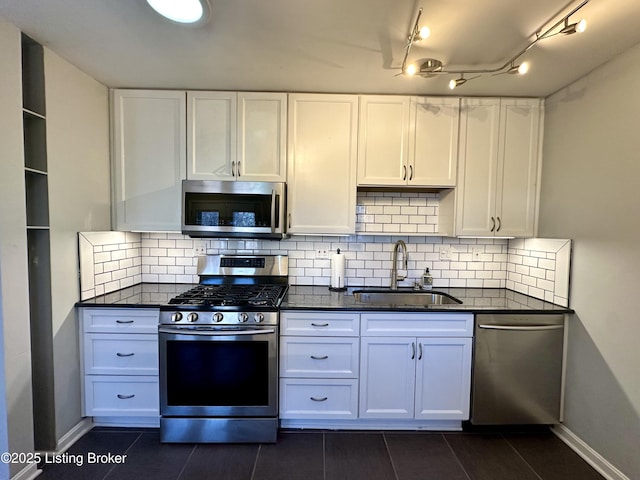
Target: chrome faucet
(394, 267)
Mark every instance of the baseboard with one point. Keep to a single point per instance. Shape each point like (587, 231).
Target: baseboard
(588, 454)
(73, 435)
(29, 472)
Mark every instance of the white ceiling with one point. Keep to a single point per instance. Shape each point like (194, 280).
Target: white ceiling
(351, 46)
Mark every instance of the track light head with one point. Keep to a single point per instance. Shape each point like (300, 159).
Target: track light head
(456, 82)
(520, 69)
(571, 28)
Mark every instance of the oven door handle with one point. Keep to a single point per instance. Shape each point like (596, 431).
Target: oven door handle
(214, 333)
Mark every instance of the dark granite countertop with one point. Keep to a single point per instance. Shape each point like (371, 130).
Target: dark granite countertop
(478, 300)
(299, 297)
(144, 295)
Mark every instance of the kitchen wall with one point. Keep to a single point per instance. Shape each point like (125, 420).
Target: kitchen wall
(79, 199)
(590, 194)
(13, 250)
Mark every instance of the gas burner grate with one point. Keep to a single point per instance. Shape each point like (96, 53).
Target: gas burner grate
(232, 295)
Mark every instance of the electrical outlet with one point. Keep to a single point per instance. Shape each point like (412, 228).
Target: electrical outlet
(445, 253)
(476, 254)
(199, 248)
(322, 253)
(360, 210)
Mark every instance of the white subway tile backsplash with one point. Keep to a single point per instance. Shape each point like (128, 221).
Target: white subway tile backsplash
(536, 267)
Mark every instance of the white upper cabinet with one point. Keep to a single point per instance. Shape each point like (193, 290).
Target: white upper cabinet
(409, 141)
(383, 140)
(236, 136)
(149, 161)
(321, 171)
(498, 167)
(433, 158)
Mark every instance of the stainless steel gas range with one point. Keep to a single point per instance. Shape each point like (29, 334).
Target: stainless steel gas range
(219, 352)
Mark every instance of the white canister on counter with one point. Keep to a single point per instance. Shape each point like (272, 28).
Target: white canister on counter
(337, 272)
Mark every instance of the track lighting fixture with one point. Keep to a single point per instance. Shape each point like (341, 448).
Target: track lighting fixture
(432, 67)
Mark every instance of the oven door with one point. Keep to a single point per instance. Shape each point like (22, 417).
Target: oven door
(218, 371)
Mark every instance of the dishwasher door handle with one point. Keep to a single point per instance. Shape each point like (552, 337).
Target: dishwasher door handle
(521, 328)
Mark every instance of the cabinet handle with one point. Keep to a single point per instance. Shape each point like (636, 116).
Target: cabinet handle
(413, 350)
(125, 397)
(420, 351)
(125, 354)
(319, 324)
(316, 357)
(499, 225)
(233, 169)
(289, 227)
(404, 172)
(316, 399)
(124, 321)
(410, 172)
(238, 169)
(493, 224)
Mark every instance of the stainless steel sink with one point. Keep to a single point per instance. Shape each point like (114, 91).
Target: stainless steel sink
(404, 297)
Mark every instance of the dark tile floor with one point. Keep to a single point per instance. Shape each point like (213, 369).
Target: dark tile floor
(317, 455)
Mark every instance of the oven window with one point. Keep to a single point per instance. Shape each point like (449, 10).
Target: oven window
(228, 210)
(208, 373)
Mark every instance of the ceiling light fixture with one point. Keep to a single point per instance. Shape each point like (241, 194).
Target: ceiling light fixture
(186, 12)
(432, 67)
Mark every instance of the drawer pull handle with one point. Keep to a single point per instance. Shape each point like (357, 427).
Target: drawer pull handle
(316, 399)
(319, 324)
(316, 357)
(125, 397)
(125, 354)
(124, 321)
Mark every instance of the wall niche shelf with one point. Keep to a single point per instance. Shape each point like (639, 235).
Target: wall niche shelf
(36, 182)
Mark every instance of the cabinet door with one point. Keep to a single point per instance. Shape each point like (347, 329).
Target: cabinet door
(519, 152)
(479, 128)
(383, 140)
(321, 171)
(443, 378)
(211, 130)
(148, 158)
(433, 160)
(387, 377)
(262, 123)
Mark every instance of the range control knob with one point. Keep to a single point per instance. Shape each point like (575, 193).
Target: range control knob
(192, 317)
(259, 317)
(243, 317)
(176, 317)
(218, 317)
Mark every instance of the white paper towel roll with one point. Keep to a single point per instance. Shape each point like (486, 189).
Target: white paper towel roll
(337, 270)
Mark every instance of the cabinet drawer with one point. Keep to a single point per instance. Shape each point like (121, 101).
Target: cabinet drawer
(320, 323)
(309, 398)
(118, 354)
(120, 320)
(319, 357)
(417, 324)
(121, 396)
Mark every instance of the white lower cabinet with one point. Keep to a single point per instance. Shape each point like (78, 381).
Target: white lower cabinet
(319, 364)
(119, 348)
(375, 370)
(411, 377)
(421, 378)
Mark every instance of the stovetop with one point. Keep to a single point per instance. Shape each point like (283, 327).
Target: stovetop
(265, 296)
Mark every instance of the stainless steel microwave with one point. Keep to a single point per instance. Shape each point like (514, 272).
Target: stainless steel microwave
(233, 209)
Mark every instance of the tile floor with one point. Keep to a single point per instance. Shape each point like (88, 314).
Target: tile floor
(330, 455)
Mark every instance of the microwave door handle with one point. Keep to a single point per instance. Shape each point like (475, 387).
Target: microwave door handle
(273, 211)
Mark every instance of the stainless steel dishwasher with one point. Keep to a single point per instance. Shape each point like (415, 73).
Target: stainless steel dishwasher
(517, 369)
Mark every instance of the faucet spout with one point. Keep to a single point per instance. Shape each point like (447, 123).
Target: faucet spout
(399, 245)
